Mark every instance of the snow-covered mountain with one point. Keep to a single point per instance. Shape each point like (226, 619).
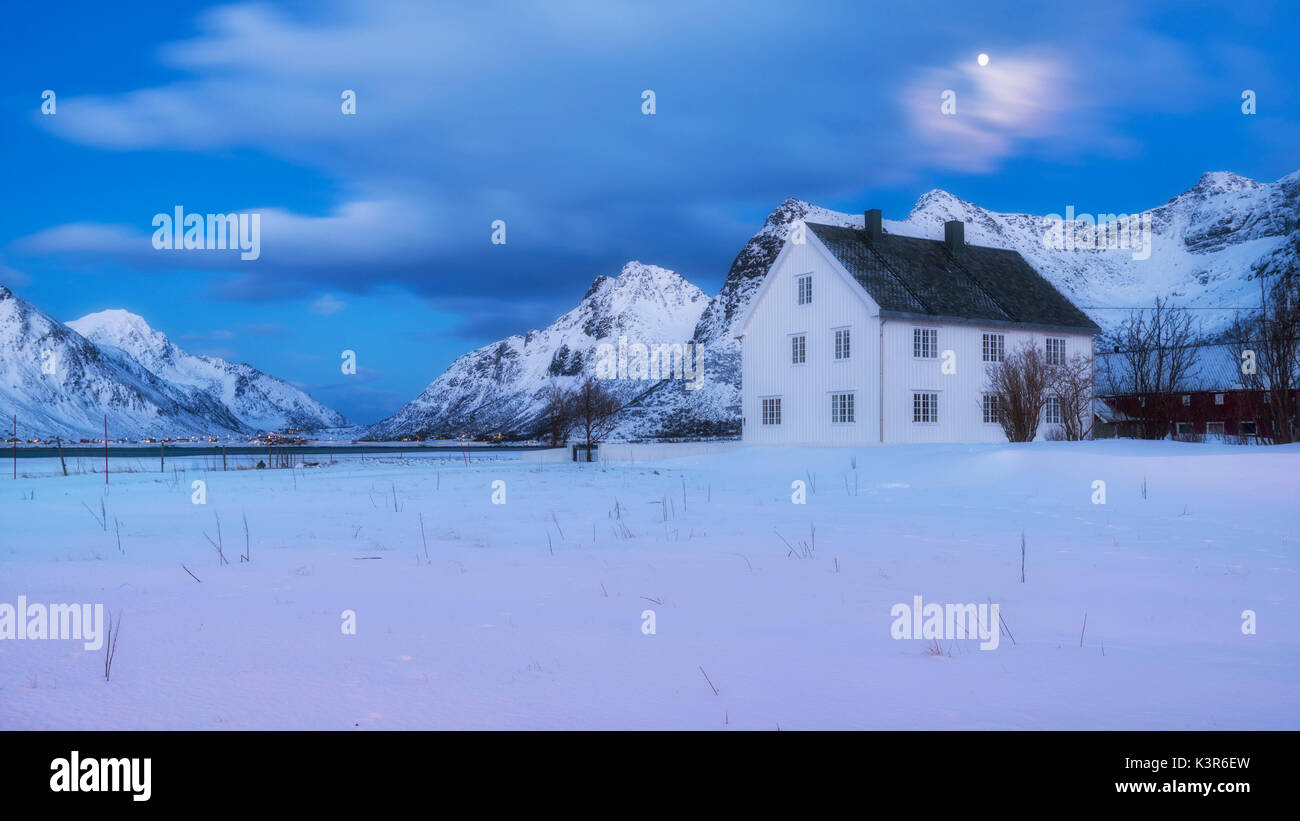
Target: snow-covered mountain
(1208, 246)
(498, 388)
(259, 401)
(61, 379)
(58, 383)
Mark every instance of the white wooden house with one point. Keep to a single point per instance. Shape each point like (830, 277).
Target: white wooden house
(862, 336)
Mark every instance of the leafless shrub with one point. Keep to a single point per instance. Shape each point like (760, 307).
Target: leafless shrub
(1155, 360)
(1071, 384)
(710, 681)
(112, 630)
(935, 649)
(559, 414)
(1273, 336)
(101, 518)
(1020, 384)
(804, 548)
(423, 540)
(218, 544)
(596, 413)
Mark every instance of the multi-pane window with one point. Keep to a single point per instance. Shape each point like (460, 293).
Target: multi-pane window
(798, 349)
(842, 343)
(1052, 414)
(1214, 428)
(925, 407)
(772, 411)
(1218, 399)
(1055, 351)
(841, 407)
(1247, 427)
(1187, 399)
(925, 343)
(995, 347)
(1186, 428)
(805, 289)
(992, 409)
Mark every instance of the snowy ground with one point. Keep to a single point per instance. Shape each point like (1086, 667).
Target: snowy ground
(528, 614)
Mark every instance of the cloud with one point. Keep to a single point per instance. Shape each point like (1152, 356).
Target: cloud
(468, 114)
(997, 109)
(327, 305)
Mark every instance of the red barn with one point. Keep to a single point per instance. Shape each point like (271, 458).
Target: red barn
(1211, 403)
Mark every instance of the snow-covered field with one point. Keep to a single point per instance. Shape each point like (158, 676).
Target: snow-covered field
(529, 614)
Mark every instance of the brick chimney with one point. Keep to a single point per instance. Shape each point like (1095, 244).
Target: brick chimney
(871, 219)
(954, 234)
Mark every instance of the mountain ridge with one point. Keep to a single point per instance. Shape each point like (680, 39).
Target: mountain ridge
(59, 382)
(1208, 245)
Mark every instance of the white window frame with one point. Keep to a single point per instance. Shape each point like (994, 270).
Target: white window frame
(803, 348)
(1053, 402)
(993, 343)
(1178, 431)
(921, 407)
(996, 408)
(1219, 432)
(920, 335)
(1250, 422)
(799, 289)
(1187, 399)
(1218, 399)
(848, 343)
(1060, 353)
(849, 408)
(763, 408)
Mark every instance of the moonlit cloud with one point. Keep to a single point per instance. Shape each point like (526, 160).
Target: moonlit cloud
(999, 107)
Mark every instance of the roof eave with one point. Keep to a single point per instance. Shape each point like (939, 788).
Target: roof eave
(1091, 329)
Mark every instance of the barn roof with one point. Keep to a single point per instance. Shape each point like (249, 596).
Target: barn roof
(1108, 413)
(1214, 367)
(910, 275)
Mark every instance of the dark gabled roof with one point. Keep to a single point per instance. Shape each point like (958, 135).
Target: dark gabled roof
(909, 275)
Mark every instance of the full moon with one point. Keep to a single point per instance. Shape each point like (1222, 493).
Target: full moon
(983, 59)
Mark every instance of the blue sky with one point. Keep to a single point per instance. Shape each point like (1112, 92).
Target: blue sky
(376, 226)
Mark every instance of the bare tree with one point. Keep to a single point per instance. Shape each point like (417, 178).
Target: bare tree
(1071, 384)
(558, 416)
(1267, 349)
(1155, 358)
(596, 412)
(1020, 384)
